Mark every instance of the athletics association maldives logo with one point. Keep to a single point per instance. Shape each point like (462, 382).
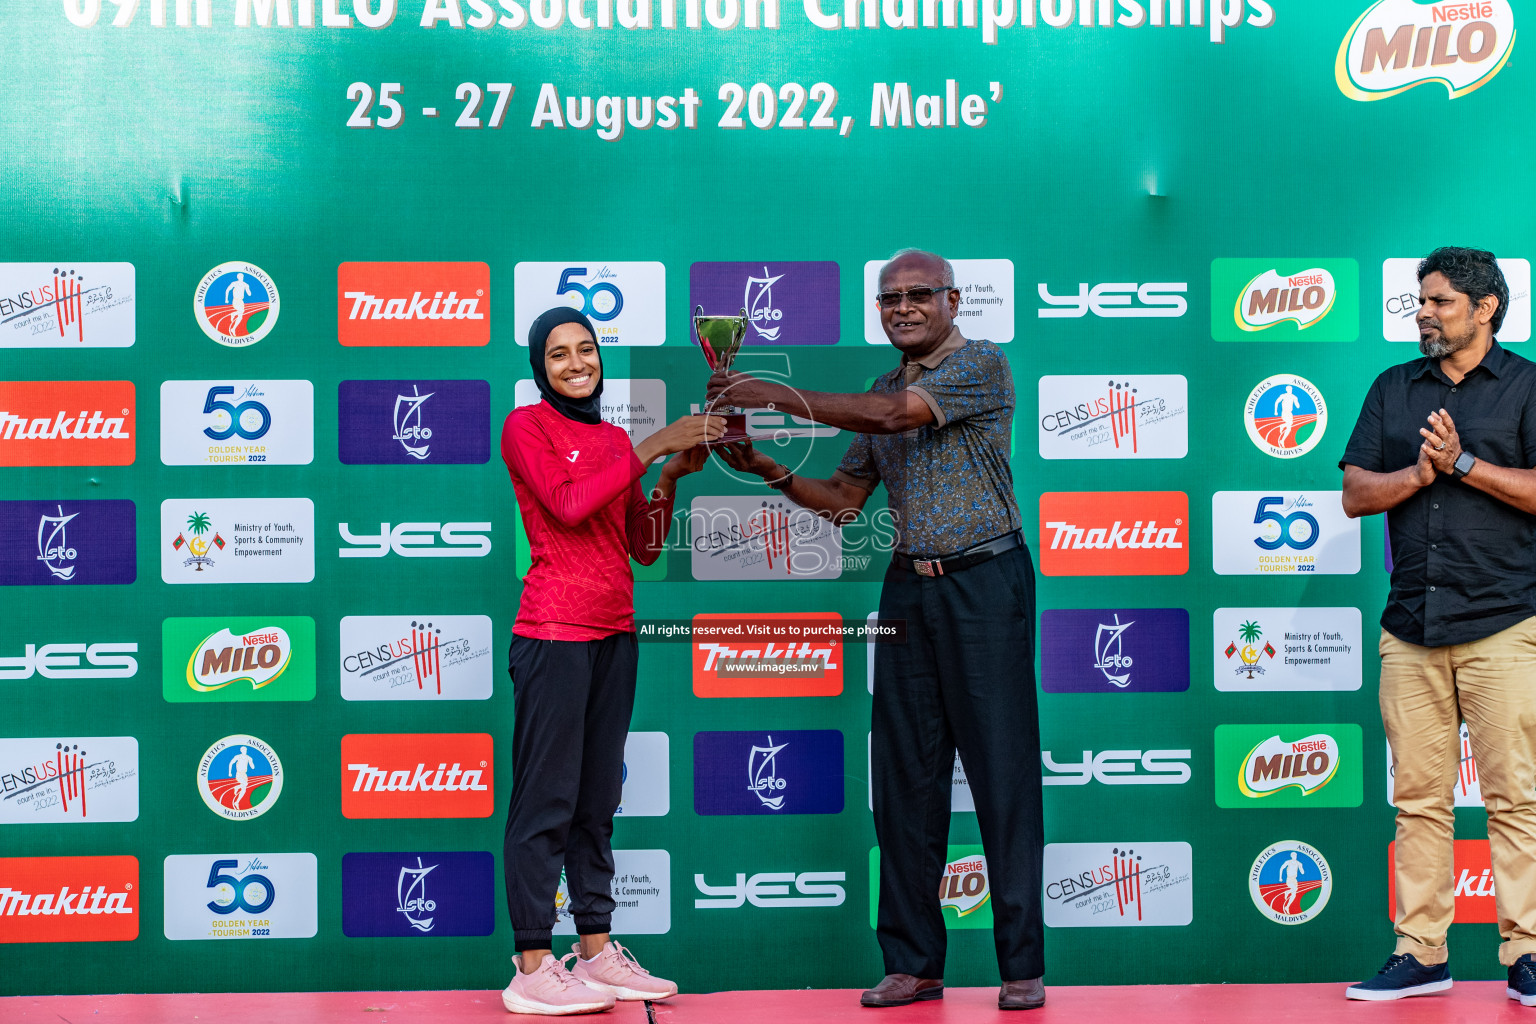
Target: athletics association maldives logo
(1397, 45)
(1286, 416)
(1290, 882)
(236, 304)
(240, 777)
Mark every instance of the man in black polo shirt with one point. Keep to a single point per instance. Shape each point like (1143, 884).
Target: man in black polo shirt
(1445, 446)
(935, 430)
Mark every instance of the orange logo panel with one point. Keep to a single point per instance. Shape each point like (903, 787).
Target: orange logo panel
(1471, 878)
(1114, 533)
(768, 654)
(67, 423)
(69, 899)
(413, 303)
(417, 775)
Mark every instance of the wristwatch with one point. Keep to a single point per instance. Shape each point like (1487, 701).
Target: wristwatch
(1464, 463)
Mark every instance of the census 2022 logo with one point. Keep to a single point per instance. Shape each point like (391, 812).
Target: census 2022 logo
(79, 780)
(237, 422)
(1258, 533)
(236, 304)
(1400, 299)
(67, 305)
(1090, 416)
(241, 896)
(737, 537)
(416, 657)
(1399, 44)
(1118, 885)
(626, 302)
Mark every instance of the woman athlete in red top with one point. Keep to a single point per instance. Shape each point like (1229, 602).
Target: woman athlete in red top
(573, 661)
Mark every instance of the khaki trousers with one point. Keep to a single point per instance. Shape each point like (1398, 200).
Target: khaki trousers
(1425, 694)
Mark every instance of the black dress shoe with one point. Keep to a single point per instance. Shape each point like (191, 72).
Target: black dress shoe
(1022, 995)
(901, 989)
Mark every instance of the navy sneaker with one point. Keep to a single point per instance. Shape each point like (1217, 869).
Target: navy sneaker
(1404, 976)
(1522, 980)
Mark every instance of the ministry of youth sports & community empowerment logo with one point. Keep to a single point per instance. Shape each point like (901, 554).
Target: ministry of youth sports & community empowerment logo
(236, 304)
(240, 777)
(1290, 882)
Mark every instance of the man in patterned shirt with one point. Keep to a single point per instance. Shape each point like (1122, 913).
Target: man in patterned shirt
(935, 430)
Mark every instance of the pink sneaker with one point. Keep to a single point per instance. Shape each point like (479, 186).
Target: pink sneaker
(615, 970)
(552, 991)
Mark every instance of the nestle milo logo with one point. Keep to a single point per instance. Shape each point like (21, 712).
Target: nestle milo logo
(239, 658)
(1398, 44)
(1304, 299)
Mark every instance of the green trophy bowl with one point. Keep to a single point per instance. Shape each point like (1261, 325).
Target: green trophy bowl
(720, 339)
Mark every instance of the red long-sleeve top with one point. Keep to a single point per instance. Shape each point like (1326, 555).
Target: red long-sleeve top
(578, 488)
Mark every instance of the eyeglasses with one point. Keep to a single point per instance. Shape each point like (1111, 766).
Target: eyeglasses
(917, 296)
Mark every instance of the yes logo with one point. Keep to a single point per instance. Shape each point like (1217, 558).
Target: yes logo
(1285, 300)
(1116, 300)
(1288, 765)
(64, 661)
(239, 659)
(771, 889)
(1399, 44)
(419, 540)
(1119, 768)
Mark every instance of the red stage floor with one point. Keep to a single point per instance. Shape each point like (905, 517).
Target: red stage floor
(1473, 1002)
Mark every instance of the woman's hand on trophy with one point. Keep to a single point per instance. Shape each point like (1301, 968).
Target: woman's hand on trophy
(679, 436)
(742, 457)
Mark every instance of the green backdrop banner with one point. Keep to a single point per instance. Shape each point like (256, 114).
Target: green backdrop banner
(264, 294)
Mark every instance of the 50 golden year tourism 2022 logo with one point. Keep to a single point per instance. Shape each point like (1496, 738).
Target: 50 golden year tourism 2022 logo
(1397, 45)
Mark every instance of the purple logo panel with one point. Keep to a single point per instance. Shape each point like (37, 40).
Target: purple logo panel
(789, 771)
(1114, 650)
(787, 303)
(407, 422)
(417, 895)
(75, 543)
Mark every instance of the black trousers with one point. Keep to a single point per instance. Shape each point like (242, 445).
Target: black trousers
(572, 701)
(964, 679)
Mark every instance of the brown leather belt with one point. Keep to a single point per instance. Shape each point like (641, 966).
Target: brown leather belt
(974, 555)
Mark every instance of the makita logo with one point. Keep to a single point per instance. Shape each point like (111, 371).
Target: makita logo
(69, 899)
(15, 903)
(417, 775)
(368, 779)
(1114, 533)
(64, 426)
(416, 304)
(1115, 536)
(67, 423)
(720, 657)
(417, 307)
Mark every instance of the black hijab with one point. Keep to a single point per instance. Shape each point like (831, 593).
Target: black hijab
(582, 410)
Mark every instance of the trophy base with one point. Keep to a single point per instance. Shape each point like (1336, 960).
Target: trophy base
(735, 428)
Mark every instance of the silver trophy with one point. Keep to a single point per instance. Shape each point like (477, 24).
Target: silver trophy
(720, 339)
